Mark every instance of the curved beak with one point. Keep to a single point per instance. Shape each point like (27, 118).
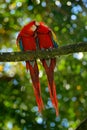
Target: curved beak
(37, 23)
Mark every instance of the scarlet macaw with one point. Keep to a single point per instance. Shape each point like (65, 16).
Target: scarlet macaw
(26, 41)
(46, 40)
(35, 36)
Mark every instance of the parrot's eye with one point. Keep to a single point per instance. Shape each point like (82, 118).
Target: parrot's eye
(37, 23)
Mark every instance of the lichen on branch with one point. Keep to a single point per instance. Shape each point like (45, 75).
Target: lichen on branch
(40, 54)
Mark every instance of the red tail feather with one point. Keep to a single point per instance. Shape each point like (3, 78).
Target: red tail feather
(51, 85)
(52, 90)
(36, 84)
(38, 97)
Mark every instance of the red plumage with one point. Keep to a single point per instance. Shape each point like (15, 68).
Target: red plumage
(27, 35)
(38, 36)
(44, 36)
(45, 41)
(26, 41)
(34, 72)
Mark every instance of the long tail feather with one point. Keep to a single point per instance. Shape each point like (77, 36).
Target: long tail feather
(51, 85)
(36, 84)
(52, 90)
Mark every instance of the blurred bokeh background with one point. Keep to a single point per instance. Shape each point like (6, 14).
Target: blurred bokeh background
(18, 110)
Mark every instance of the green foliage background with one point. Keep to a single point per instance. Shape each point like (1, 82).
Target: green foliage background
(18, 110)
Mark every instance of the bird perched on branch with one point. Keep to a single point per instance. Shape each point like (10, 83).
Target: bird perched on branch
(34, 36)
(26, 41)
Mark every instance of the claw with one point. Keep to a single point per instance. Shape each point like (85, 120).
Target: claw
(50, 49)
(42, 49)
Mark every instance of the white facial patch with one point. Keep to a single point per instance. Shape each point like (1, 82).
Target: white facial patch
(37, 23)
(33, 28)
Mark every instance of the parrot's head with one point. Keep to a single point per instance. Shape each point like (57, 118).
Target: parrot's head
(28, 29)
(33, 28)
(35, 25)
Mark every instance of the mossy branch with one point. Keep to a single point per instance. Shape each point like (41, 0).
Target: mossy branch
(40, 54)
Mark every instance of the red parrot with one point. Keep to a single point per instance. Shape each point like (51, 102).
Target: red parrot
(46, 41)
(26, 40)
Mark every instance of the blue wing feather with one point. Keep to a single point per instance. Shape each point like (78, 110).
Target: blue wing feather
(55, 44)
(21, 45)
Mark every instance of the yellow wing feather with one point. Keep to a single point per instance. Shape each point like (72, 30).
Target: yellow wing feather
(54, 37)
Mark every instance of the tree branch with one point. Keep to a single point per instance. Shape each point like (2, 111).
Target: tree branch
(32, 55)
(83, 125)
